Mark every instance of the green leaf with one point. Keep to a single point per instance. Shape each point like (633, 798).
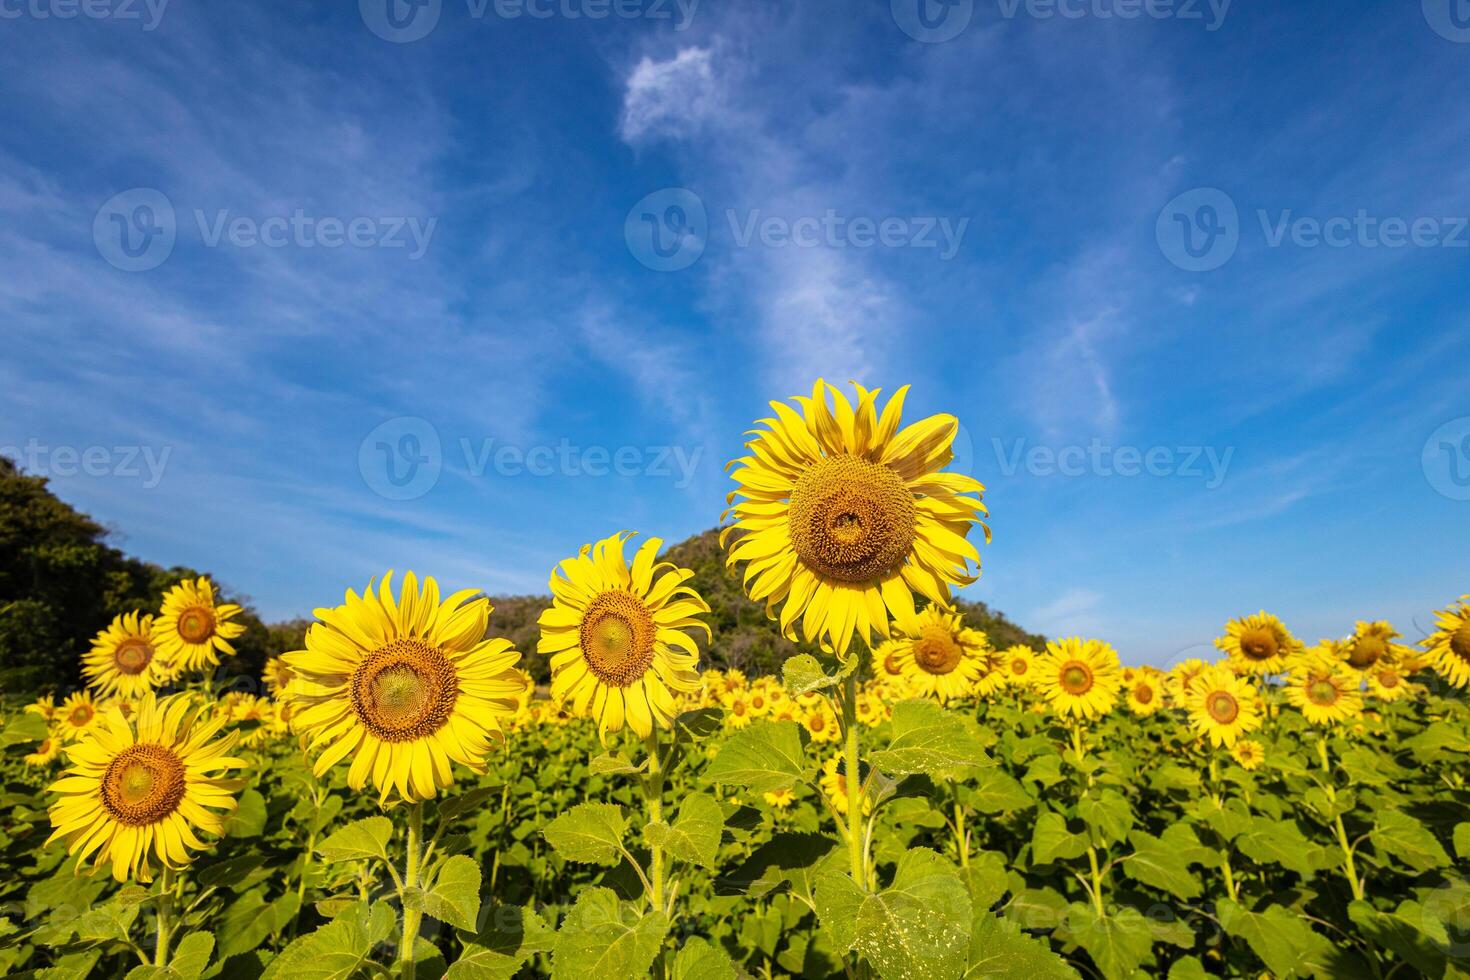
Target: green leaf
(1118, 943)
(763, 758)
(510, 937)
(1414, 936)
(993, 790)
(602, 939)
(838, 899)
(786, 857)
(589, 833)
(361, 839)
(613, 764)
(229, 873)
(699, 723)
(466, 802)
(695, 834)
(700, 959)
(22, 728)
(917, 927)
(336, 951)
(1188, 968)
(1052, 841)
(1279, 936)
(1153, 862)
(803, 674)
(998, 948)
(928, 739)
(988, 879)
(454, 895)
(1462, 841)
(1107, 814)
(248, 820)
(1280, 842)
(187, 961)
(1400, 835)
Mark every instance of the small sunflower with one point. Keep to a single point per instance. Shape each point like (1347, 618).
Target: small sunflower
(1258, 644)
(1448, 647)
(1388, 683)
(621, 637)
(1372, 644)
(1145, 695)
(1079, 678)
(123, 660)
(1018, 665)
(1325, 690)
(76, 715)
(843, 516)
(1180, 676)
(737, 711)
(404, 686)
(46, 751)
(940, 657)
(43, 706)
(820, 721)
(276, 675)
(834, 786)
(1222, 707)
(1248, 754)
(193, 629)
(147, 787)
(781, 799)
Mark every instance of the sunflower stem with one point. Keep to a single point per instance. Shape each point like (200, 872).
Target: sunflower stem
(411, 870)
(855, 847)
(1349, 866)
(165, 916)
(653, 789)
(961, 834)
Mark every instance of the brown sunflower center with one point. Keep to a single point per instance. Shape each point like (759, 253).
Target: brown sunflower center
(1389, 678)
(1322, 691)
(1259, 643)
(133, 656)
(81, 715)
(1367, 651)
(196, 624)
(617, 638)
(1020, 666)
(404, 690)
(852, 520)
(143, 784)
(1076, 677)
(1143, 694)
(1460, 642)
(1223, 707)
(817, 723)
(935, 651)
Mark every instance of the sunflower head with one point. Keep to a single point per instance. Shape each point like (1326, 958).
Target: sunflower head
(193, 629)
(841, 516)
(1372, 644)
(1448, 647)
(76, 715)
(939, 657)
(124, 658)
(1326, 691)
(1248, 754)
(1017, 665)
(1258, 644)
(1144, 693)
(404, 685)
(621, 637)
(1222, 707)
(1079, 678)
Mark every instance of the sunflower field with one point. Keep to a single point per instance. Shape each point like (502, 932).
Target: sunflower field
(906, 799)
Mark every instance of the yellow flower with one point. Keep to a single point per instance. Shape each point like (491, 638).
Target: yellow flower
(940, 657)
(1145, 694)
(843, 516)
(403, 687)
(1222, 707)
(834, 786)
(76, 715)
(276, 675)
(1324, 689)
(820, 721)
(1372, 644)
(46, 751)
(737, 711)
(781, 799)
(1258, 644)
(1079, 678)
(1448, 647)
(621, 638)
(1248, 754)
(1180, 676)
(123, 660)
(135, 789)
(1388, 683)
(43, 706)
(192, 631)
(1018, 665)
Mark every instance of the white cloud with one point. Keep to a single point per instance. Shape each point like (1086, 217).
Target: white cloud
(671, 98)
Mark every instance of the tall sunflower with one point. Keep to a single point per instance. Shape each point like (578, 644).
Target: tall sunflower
(621, 637)
(1388, 683)
(1371, 645)
(1325, 690)
(76, 716)
(123, 660)
(1222, 707)
(1448, 647)
(147, 787)
(1258, 644)
(843, 516)
(1018, 665)
(193, 629)
(942, 658)
(1079, 678)
(404, 686)
(1145, 694)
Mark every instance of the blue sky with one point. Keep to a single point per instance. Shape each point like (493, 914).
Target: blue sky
(995, 217)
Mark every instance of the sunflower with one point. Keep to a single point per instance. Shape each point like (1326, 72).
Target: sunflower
(1258, 644)
(940, 657)
(76, 715)
(43, 706)
(834, 786)
(844, 516)
(1372, 644)
(193, 630)
(820, 721)
(123, 660)
(1248, 754)
(276, 676)
(1388, 683)
(1448, 647)
(1323, 688)
(403, 687)
(1145, 695)
(737, 711)
(136, 788)
(1180, 676)
(781, 799)
(46, 750)
(621, 637)
(1222, 707)
(1079, 678)
(1018, 665)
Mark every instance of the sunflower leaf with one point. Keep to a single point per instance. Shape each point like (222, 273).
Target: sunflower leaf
(336, 951)
(454, 895)
(1154, 862)
(1051, 840)
(606, 939)
(1107, 814)
(1281, 938)
(613, 764)
(804, 673)
(928, 739)
(589, 833)
(694, 836)
(1400, 835)
(700, 959)
(1462, 841)
(365, 838)
(1118, 943)
(998, 948)
(764, 758)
